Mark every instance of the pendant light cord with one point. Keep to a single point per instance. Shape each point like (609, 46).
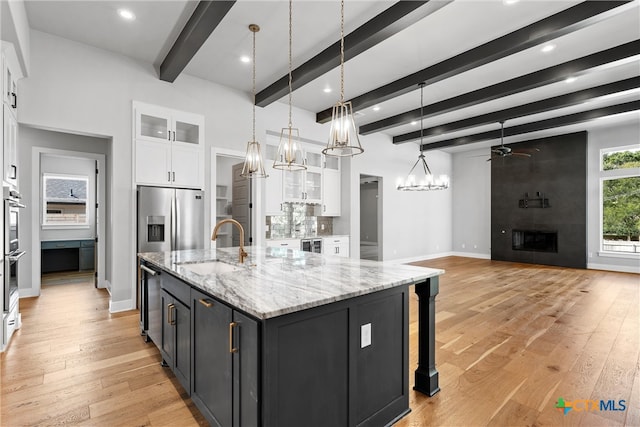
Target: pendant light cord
(421, 114)
(290, 73)
(254, 85)
(342, 51)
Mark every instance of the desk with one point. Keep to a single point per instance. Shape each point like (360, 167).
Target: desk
(67, 255)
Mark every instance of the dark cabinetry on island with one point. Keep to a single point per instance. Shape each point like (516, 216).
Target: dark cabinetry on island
(341, 364)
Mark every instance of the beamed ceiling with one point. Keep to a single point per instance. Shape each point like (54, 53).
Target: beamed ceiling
(482, 61)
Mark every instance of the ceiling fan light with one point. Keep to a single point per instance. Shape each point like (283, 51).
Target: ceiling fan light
(343, 135)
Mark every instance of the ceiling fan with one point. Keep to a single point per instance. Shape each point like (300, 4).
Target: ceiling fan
(503, 151)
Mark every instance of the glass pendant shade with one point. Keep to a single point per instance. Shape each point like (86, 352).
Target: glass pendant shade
(290, 156)
(343, 136)
(253, 166)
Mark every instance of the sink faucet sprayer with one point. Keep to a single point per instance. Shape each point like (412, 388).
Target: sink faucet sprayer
(241, 253)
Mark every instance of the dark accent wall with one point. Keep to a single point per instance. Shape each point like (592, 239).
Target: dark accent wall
(557, 173)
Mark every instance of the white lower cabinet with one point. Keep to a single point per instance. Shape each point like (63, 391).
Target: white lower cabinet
(338, 246)
(284, 243)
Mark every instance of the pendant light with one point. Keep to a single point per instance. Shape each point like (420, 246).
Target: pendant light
(253, 165)
(290, 156)
(428, 182)
(343, 136)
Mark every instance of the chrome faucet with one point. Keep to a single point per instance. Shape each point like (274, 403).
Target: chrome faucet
(241, 253)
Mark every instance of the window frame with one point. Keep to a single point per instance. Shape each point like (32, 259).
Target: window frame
(43, 210)
(607, 175)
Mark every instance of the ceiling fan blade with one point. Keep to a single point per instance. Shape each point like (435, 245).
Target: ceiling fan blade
(521, 154)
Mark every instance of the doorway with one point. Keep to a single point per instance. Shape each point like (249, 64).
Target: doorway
(370, 217)
(232, 199)
(68, 207)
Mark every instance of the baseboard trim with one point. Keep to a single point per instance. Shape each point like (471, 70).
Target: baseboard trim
(29, 293)
(118, 306)
(471, 255)
(419, 258)
(618, 268)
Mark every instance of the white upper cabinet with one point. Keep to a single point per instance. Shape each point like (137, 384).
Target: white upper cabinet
(169, 147)
(273, 184)
(331, 186)
(305, 186)
(9, 79)
(10, 148)
(318, 184)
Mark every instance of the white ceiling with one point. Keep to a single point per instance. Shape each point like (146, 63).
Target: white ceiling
(453, 29)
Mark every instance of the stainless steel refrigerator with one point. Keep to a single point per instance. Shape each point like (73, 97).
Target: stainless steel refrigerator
(170, 219)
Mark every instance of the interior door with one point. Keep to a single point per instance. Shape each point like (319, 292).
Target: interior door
(240, 205)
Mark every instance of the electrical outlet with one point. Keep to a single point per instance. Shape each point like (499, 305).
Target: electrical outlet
(365, 335)
(463, 246)
(322, 227)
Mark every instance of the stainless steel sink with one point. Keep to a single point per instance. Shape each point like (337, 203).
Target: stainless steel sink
(210, 268)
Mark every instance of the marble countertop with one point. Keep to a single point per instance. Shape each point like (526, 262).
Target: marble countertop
(277, 281)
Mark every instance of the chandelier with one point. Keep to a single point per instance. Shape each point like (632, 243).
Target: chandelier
(343, 136)
(253, 165)
(427, 181)
(290, 156)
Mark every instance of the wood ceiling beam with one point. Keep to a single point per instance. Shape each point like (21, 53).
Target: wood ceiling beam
(554, 122)
(204, 19)
(574, 18)
(391, 21)
(541, 106)
(556, 73)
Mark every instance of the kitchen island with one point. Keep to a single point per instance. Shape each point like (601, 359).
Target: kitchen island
(289, 337)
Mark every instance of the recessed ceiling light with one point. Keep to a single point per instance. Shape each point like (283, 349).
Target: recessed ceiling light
(548, 48)
(570, 79)
(510, 2)
(413, 123)
(126, 14)
(376, 108)
(245, 59)
(327, 90)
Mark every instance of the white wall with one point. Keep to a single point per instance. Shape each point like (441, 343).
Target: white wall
(416, 225)
(472, 203)
(472, 196)
(77, 88)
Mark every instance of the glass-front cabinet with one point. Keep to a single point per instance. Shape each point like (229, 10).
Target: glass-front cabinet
(169, 147)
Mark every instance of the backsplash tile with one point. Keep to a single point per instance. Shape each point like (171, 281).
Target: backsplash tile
(298, 220)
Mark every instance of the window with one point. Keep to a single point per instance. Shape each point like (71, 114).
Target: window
(65, 200)
(620, 195)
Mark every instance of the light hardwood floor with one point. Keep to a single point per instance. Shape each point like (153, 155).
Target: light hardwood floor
(511, 340)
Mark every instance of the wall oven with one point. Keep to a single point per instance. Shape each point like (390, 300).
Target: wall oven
(12, 252)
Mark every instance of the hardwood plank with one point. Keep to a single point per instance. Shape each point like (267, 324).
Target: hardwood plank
(511, 339)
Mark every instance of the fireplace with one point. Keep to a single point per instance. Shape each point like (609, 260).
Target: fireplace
(533, 240)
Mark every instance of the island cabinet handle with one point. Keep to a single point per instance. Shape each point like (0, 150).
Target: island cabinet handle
(207, 303)
(170, 318)
(232, 349)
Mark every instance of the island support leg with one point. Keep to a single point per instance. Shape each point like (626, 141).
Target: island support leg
(426, 376)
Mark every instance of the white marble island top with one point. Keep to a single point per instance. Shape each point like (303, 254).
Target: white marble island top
(277, 281)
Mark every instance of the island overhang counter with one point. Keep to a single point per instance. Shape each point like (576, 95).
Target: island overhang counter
(289, 337)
